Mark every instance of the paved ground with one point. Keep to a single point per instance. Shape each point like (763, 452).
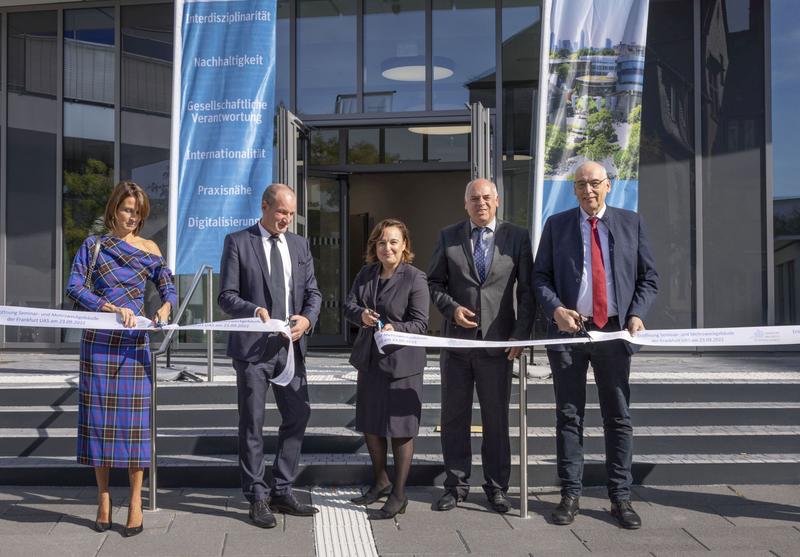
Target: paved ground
(709, 520)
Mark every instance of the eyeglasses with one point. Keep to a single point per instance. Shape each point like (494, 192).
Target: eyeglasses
(593, 184)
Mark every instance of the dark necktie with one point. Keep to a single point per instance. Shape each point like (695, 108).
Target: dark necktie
(277, 283)
(479, 253)
(599, 295)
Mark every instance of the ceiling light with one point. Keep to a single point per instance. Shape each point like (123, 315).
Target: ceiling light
(441, 130)
(412, 68)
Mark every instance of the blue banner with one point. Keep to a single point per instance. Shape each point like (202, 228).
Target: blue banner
(595, 78)
(226, 124)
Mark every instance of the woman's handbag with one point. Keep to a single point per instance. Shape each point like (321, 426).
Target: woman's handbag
(73, 335)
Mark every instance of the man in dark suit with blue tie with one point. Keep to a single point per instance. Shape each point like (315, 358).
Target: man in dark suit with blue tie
(480, 281)
(268, 272)
(594, 271)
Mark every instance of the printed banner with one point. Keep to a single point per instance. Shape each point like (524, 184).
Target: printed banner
(594, 77)
(227, 83)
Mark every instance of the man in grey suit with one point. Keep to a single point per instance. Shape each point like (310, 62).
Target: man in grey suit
(594, 271)
(268, 272)
(473, 273)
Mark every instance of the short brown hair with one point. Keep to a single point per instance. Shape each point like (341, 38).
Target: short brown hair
(377, 232)
(120, 193)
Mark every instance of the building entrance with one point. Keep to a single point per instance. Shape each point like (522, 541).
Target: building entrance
(343, 209)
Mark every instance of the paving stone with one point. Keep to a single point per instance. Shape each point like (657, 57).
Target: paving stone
(726, 553)
(522, 543)
(159, 544)
(220, 523)
(267, 542)
(762, 515)
(664, 516)
(646, 539)
(776, 538)
(786, 494)
(63, 546)
(410, 541)
(690, 496)
(34, 524)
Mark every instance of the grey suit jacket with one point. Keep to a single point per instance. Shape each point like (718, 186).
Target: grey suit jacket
(559, 265)
(453, 281)
(243, 287)
(404, 303)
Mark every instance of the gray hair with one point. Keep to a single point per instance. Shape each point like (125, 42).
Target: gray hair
(475, 181)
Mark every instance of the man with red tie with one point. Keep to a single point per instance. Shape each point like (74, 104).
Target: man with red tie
(594, 271)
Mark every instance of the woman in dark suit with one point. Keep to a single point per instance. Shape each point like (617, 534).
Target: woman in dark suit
(390, 294)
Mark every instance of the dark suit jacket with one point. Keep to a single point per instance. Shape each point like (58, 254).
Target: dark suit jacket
(404, 303)
(243, 287)
(559, 265)
(453, 281)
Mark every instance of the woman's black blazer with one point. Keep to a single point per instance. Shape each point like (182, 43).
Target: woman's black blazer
(404, 303)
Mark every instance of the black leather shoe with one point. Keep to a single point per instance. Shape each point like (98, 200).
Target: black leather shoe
(287, 504)
(372, 495)
(391, 508)
(449, 500)
(625, 515)
(130, 532)
(499, 502)
(103, 526)
(261, 516)
(566, 511)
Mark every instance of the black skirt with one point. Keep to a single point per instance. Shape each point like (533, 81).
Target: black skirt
(385, 406)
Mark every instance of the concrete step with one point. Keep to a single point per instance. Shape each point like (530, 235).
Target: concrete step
(427, 469)
(53, 442)
(681, 414)
(338, 390)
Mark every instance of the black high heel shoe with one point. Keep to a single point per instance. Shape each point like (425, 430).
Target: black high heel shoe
(372, 495)
(129, 532)
(391, 508)
(103, 526)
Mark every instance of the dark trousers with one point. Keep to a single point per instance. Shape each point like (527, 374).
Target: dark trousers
(292, 400)
(611, 364)
(490, 375)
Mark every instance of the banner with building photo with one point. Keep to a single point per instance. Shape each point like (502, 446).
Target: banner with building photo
(594, 80)
(222, 124)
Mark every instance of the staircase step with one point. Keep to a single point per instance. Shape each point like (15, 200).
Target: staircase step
(337, 390)
(427, 469)
(541, 440)
(343, 415)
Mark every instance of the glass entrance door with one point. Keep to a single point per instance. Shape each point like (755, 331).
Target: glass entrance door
(292, 153)
(326, 232)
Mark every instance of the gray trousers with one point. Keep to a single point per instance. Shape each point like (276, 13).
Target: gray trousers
(292, 400)
(490, 375)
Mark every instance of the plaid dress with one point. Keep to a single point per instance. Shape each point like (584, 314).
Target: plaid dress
(115, 376)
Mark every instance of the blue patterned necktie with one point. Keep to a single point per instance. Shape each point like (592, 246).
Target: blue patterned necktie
(479, 253)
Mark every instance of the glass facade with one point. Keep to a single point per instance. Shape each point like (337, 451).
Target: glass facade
(785, 121)
(383, 87)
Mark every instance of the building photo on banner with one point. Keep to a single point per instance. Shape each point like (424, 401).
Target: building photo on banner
(399, 277)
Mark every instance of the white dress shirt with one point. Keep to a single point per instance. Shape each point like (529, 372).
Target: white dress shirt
(584, 305)
(488, 242)
(283, 247)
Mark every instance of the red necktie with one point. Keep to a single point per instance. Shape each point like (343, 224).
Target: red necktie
(599, 297)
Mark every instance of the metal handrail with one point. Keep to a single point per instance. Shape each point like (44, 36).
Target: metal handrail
(523, 435)
(162, 349)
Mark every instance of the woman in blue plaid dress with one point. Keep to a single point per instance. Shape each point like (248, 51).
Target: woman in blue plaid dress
(115, 375)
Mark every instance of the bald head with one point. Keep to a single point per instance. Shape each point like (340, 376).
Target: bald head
(273, 190)
(481, 201)
(591, 186)
(278, 205)
(591, 167)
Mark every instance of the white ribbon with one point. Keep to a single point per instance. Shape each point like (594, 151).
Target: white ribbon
(66, 319)
(724, 336)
